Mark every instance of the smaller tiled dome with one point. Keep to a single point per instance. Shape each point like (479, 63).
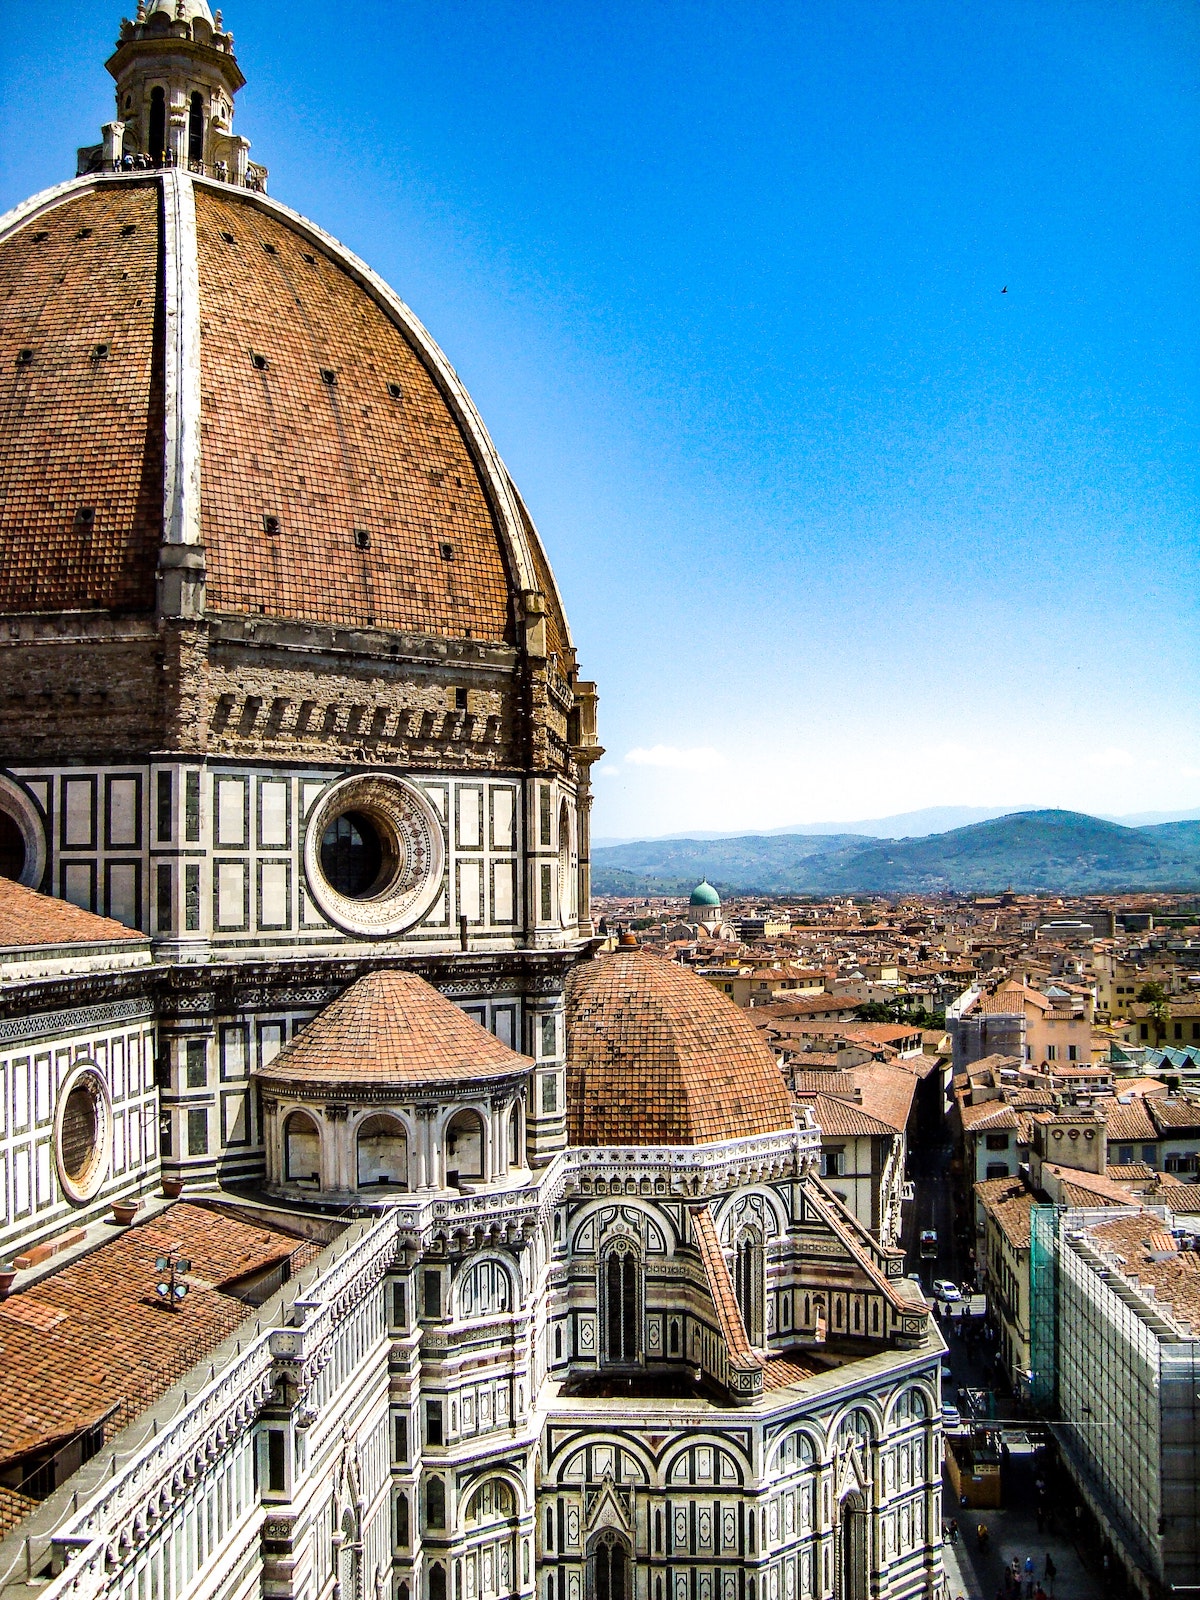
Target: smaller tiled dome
(655, 1055)
(392, 1028)
(703, 896)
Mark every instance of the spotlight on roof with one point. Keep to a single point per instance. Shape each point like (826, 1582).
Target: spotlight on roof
(171, 1269)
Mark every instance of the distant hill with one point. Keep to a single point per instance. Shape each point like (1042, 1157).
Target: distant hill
(1050, 851)
(901, 825)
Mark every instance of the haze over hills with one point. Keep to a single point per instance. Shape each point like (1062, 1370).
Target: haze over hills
(903, 825)
(1047, 851)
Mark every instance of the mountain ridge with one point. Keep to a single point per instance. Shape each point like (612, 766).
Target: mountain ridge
(1050, 851)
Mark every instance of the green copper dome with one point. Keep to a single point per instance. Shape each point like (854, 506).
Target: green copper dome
(704, 895)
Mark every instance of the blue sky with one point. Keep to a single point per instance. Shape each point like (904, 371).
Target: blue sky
(842, 529)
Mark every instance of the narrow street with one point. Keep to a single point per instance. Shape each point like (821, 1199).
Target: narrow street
(1023, 1529)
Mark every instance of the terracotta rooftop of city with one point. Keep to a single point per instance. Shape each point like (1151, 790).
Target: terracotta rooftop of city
(1139, 1248)
(392, 1027)
(657, 1056)
(29, 920)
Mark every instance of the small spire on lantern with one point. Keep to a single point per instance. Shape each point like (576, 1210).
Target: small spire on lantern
(141, 11)
(217, 22)
(180, 11)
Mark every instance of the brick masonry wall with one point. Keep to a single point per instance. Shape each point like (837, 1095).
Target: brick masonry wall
(92, 695)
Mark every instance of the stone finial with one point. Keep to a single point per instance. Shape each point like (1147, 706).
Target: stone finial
(217, 22)
(180, 11)
(141, 11)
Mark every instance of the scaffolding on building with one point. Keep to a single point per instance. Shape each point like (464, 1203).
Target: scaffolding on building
(1043, 1306)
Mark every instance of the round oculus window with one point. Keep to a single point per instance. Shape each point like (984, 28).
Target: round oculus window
(22, 838)
(82, 1133)
(374, 855)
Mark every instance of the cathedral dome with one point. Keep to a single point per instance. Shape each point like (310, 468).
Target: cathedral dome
(393, 1029)
(704, 897)
(209, 390)
(657, 1056)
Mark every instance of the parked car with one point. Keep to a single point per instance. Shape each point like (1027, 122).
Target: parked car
(951, 1416)
(943, 1289)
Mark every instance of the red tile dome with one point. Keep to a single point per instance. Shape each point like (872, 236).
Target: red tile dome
(343, 474)
(655, 1055)
(392, 1028)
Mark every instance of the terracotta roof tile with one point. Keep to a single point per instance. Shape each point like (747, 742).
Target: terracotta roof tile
(1129, 1122)
(843, 1119)
(393, 1027)
(329, 457)
(81, 431)
(1010, 1204)
(655, 1055)
(1139, 1249)
(29, 920)
(1169, 1112)
(94, 1336)
(721, 1292)
(887, 1093)
(780, 1372)
(14, 1508)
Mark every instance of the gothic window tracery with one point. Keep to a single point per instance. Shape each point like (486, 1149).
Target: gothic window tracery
(620, 1295)
(607, 1568)
(748, 1282)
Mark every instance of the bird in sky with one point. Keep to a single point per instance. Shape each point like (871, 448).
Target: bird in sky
(1004, 290)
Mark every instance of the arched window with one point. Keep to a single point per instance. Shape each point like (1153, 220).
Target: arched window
(157, 142)
(607, 1568)
(402, 1519)
(748, 1283)
(349, 1557)
(464, 1147)
(382, 1153)
(196, 128)
(492, 1502)
(435, 1504)
(852, 1531)
(485, 1291)
(437, 1582)
(620, 1272)
(911, 1407)
(566, 878)
(301, 1149)
(515, 1141)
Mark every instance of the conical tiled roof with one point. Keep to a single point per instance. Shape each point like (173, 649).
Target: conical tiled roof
(657, 1056)
(392, 1027)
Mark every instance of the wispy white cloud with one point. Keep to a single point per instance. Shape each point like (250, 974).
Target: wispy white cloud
(1112, 756)
(700, 758)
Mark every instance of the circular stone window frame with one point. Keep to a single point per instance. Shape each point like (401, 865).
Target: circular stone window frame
(414, 840)
(17, 804)
(80, 1190)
